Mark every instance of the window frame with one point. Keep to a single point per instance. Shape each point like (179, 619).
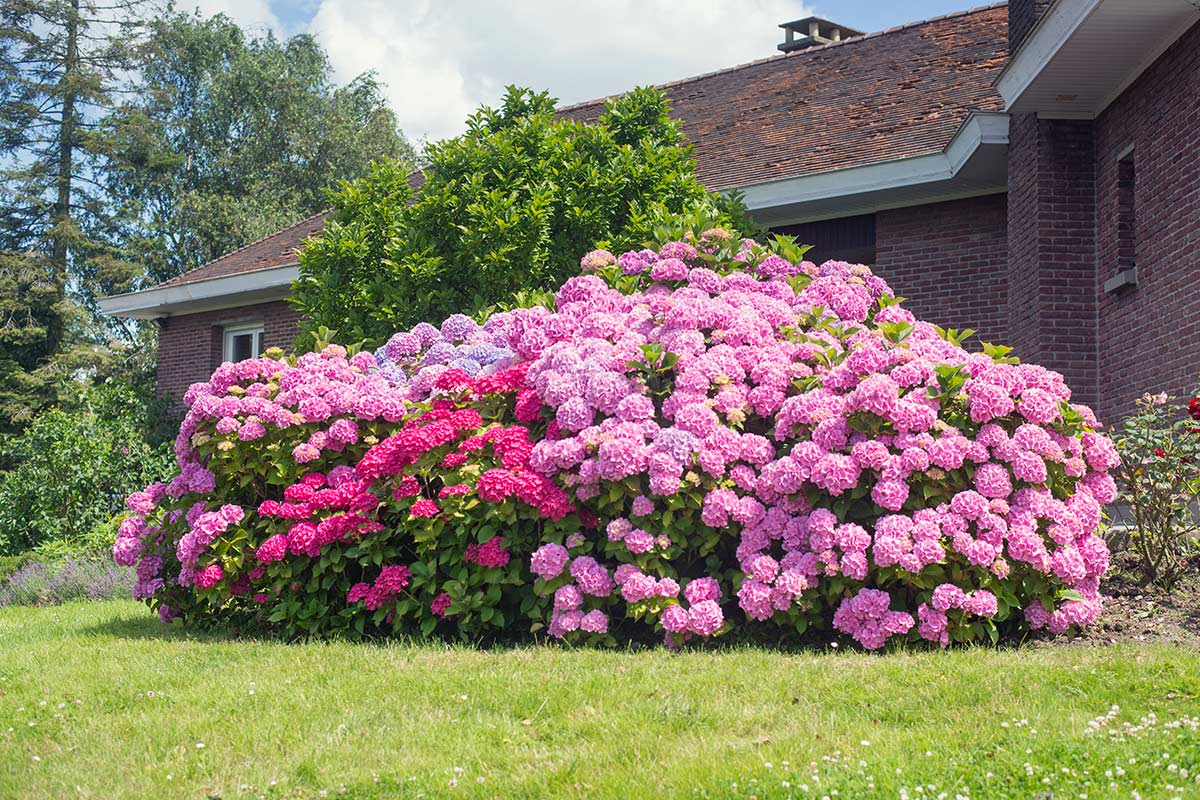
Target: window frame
(230, 332)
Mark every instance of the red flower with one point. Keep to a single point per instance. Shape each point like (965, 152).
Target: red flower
(1194, 407)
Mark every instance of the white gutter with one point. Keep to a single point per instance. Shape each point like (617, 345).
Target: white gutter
(229, 291)
(979, 129)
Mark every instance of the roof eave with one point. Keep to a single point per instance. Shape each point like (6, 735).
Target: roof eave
(972, 164)
(228, 291)
(1083, 54)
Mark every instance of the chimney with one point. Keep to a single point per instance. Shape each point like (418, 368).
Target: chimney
(802, 34)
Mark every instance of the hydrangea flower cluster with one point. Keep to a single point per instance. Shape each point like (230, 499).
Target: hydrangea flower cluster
(713, 437)
(414, 360)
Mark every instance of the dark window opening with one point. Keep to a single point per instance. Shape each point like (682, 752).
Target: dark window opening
(1126, 213)
(849, 239)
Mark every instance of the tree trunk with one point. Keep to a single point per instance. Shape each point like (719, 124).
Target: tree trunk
(60, 223)
(60, 231)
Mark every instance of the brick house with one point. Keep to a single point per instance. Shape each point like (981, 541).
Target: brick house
(1030, 170)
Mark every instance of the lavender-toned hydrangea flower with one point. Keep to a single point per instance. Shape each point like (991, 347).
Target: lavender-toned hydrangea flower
(440, 353)
(458, 327)
(402, 345)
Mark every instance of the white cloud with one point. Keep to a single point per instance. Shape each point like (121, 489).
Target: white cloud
(253, 15)
(441, 59)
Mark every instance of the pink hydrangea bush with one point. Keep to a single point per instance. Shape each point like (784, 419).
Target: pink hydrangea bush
(710, 438)
(403, 518)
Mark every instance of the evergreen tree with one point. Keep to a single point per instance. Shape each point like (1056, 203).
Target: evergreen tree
(32, 316)
(61, 65)
(60, 68)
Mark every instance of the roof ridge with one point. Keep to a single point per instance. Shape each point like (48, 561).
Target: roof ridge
(248, 245)
(797, 54)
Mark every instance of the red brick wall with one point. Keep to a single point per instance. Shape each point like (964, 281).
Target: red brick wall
(948, 259)
(1150, 335)
(190, 345)
(1052, 264)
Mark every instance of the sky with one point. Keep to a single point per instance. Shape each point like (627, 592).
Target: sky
(441, 59)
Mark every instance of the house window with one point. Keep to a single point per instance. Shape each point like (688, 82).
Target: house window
(1126, 213)
(243, 341)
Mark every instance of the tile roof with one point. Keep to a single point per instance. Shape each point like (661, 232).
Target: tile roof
(276, 250)
(893, 94)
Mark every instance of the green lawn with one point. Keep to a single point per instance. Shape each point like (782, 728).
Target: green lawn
(100, 701)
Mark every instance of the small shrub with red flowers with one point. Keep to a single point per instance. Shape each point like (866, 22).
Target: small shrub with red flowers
(714, 438)
(1159, 477)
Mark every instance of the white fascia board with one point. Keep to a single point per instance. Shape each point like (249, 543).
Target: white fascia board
(229, 291)
(1041, 44)
(980, 128)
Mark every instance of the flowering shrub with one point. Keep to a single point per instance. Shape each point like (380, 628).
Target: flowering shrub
(1159, 476)
(503, 211)
(711, 438)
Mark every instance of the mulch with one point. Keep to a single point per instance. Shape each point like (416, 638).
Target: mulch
(1134, 613)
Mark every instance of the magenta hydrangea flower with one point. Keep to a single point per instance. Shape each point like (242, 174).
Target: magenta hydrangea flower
(209, 577)
(425, 508)
(567, 598)
(675, 619)
(489, 554)
(440, 605)
(700, 589)
(273, 549)
(639, 541)
(595, 621)
(642, 506)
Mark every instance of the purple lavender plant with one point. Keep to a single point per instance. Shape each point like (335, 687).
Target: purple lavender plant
(84, 578)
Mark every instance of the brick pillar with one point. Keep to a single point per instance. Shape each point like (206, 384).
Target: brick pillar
(1051, 239)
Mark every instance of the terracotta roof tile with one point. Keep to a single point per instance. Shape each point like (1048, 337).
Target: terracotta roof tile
(276, 250)
(899, 93)
(894, 94)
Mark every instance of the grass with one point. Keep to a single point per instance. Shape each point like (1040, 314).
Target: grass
(97, 700)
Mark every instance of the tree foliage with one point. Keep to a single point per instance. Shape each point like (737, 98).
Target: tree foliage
(509, 206)
(61, 66)
(46, 356)
(231, 137)
(73, 467)
(134, 146)
(33, 316)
